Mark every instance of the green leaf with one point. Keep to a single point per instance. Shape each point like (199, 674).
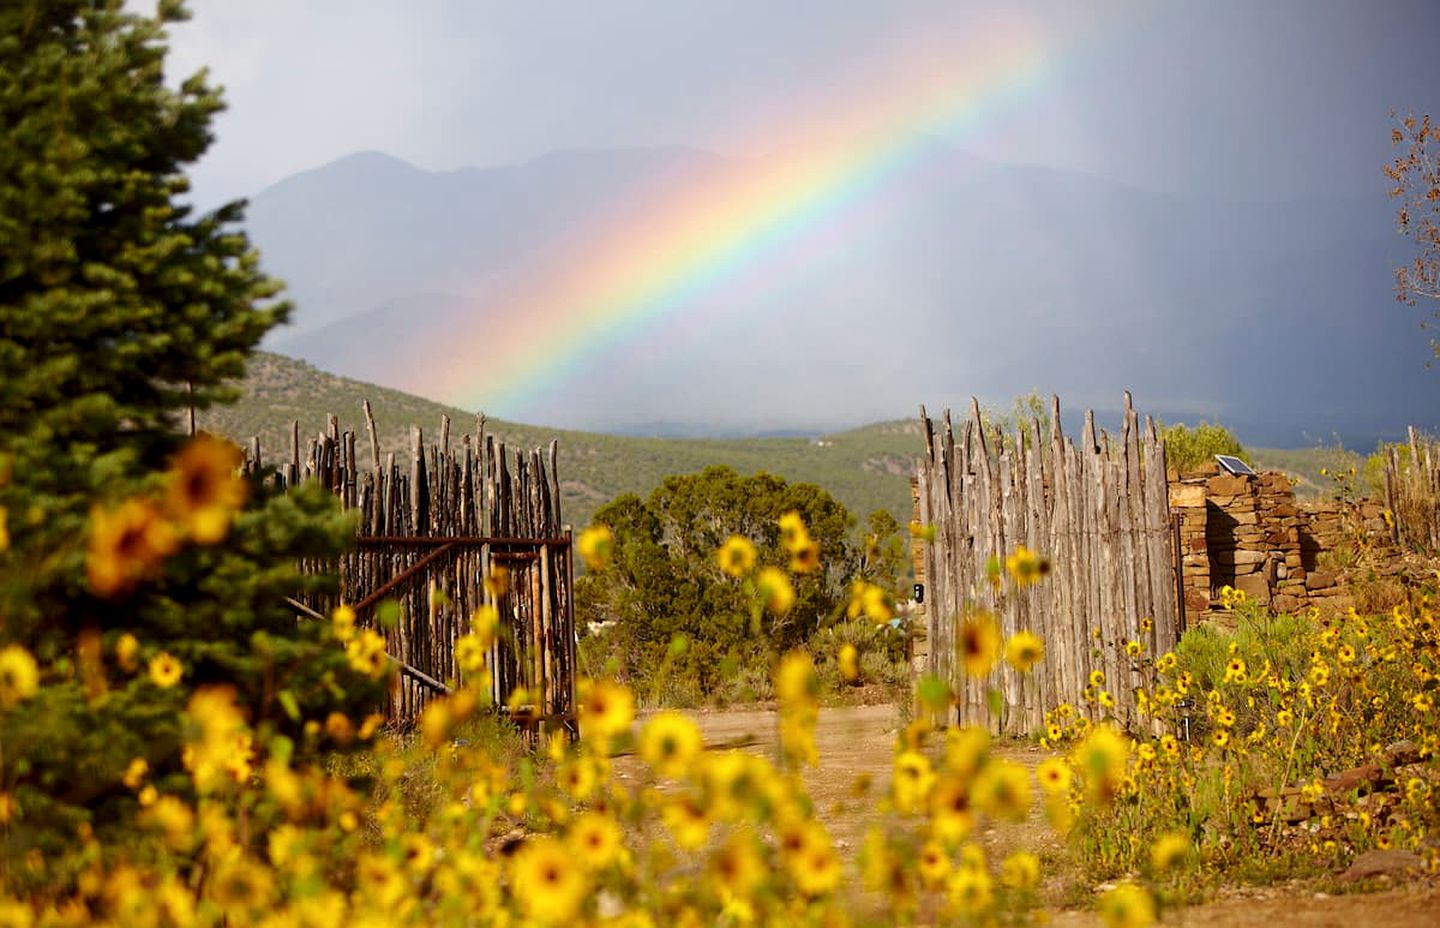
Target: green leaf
(994, 702)
(387, 614)
(290, 704)
(933, 692)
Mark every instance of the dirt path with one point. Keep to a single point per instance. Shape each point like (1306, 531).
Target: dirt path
(857, 742)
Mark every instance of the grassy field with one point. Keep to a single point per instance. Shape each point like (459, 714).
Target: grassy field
(866, 468)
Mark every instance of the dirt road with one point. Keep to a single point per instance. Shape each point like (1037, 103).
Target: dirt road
(856, 742)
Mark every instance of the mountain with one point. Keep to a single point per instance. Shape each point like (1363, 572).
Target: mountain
(866, 468)
(950, 278)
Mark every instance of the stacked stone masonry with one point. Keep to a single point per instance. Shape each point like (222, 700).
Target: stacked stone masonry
(1249, 533)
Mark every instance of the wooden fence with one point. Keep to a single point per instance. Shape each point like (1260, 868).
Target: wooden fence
(432, 527)
(1412, 493)
(1099, 512)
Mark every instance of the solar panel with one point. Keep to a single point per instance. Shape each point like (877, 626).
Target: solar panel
(1234, 465)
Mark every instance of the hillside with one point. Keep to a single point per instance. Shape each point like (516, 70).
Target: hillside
(866, 468)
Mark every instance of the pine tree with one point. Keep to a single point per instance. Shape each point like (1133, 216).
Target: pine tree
(120, 306)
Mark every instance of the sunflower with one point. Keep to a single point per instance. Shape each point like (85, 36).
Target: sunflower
(737, 867)
(19, 675)
(736, 556)
(1025, 566)
(1168, 850)
(805, 557)
(951, 816)
(1054, 776)
(1002, 789)
(810, 857)
(1100, 756)
(879, 605)
(970, 890)
(165, 670)
(848, 661)
(596, 546)
(470, 653)
(669, 743)
(1024, 650)
(776, 590)
(342, 622)
(127, 652)
(127, 544)
(240, 885)
(594, 839)
(933, 864)
(485, 625)
(795, 679)
(912, 781)
(497, 581)
(1127, 906)
(578, 777)
(205, 487)
(965, 749)
(547, 882)
(687, 822)
(979, 644)
(793, 532)
(135, 772)
(366, 653)
(606, 709)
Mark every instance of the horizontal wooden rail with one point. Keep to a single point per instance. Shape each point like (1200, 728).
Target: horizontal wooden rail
(430, 541)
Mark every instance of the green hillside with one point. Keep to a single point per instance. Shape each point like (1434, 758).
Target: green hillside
(866, 468)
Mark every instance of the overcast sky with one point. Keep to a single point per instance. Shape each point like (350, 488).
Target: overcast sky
(1247, 99)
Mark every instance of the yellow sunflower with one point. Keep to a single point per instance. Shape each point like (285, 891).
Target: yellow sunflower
(606, 709)
(19, 675)
(979, 644)
(776, 590)
(548, 883)
(736, 556)
(1024, 650)
(205, 487)
(165, 670)
(127, 544)
(670, 742)
(596, 546)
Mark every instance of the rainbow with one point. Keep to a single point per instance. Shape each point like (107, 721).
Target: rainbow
(614, 282)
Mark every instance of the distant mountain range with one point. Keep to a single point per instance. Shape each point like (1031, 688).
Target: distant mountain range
(959, 277)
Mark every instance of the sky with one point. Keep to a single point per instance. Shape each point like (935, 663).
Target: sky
(1244, 100)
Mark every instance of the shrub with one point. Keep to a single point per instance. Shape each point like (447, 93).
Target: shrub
(1187, 448)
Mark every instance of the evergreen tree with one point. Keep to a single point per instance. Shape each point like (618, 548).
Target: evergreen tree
(119, 307)
(665, 580)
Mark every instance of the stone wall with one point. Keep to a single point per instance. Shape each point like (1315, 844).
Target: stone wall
(1334, 524)
(1250, 533)
(1242, 532)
